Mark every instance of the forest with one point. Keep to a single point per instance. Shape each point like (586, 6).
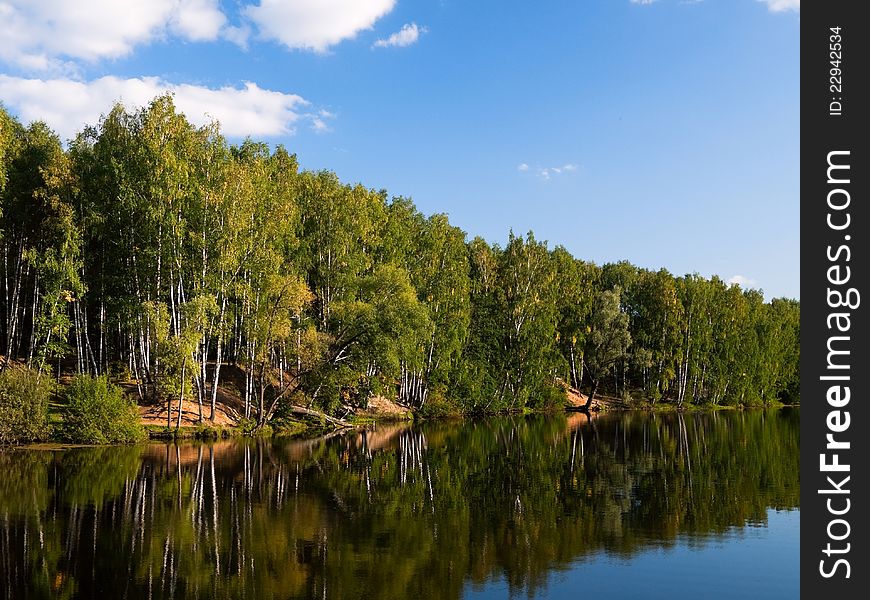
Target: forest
(157, 254)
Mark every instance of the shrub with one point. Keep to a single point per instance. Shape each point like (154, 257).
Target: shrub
(438, 405)
(98, 413)
(24, 406)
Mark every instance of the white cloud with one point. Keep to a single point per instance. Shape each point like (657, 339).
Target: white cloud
(308, 25)
(642, 1)
(783, 5)
(198, 20)
(54, 37)
(743, 282)
(68, 105)
(407, 35)
(546, 173)
(38, 36)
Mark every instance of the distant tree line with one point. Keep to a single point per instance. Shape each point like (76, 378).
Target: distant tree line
(154, 250)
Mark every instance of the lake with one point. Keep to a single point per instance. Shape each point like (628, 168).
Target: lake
(625, 505)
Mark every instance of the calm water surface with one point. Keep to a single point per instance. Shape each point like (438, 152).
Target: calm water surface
(623, 506)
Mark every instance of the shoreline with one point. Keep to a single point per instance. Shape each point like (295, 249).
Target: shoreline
(307, 431)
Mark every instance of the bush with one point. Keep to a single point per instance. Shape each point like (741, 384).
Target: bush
(437, 405)
(98, 413)
(24, 406)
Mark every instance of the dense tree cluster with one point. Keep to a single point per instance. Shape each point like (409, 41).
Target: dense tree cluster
(153, 250)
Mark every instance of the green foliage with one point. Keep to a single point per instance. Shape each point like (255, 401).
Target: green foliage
(439, 405)
(609, 336)
(24, 395)
(390, 319)
(153, 248)
(248, 426)
(9, 136)
(512, 356)
(97, 412)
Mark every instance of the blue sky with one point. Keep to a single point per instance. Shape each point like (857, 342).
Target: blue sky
(661, 132)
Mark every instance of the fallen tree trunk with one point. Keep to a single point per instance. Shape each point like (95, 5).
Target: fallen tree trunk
(301, 410)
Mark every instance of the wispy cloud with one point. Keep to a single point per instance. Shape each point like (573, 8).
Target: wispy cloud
(744, 282)
(68, 105)
(546, 173)
(642, 1)
(307, 25)
(407, 35)
(320, 121)
(783, 5)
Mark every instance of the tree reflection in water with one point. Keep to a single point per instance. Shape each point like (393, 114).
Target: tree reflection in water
(397, 511)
